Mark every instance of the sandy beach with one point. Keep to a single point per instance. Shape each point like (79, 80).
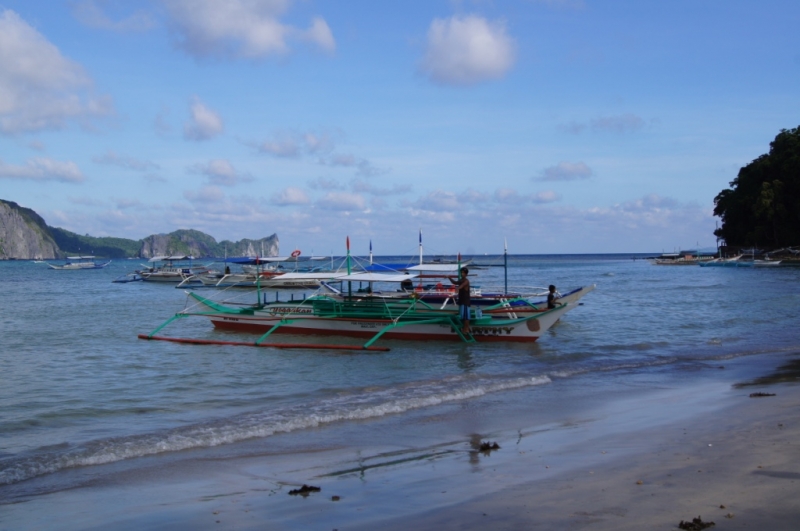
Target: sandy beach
(736, 466)
(646, 459)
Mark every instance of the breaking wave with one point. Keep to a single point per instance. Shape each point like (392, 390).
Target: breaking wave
(353, 405)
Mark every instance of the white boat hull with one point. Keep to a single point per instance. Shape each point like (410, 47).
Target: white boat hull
(299, 319)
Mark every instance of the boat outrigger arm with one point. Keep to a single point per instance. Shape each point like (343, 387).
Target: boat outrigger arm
(258, 343)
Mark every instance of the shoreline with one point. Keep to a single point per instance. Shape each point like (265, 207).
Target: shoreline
(645, 457)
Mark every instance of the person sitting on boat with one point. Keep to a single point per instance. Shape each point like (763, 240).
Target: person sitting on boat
(463, 298)
(407, 285)
(551, 297)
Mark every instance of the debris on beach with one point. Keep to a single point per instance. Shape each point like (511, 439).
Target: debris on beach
(757, 395)
(486, 447)
(697, 524)
(304, 491)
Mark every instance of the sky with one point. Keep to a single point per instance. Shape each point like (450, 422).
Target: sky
(557, 126)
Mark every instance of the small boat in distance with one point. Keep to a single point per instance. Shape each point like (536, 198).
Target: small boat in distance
(693, 257)
(168, 271)
(73, 263)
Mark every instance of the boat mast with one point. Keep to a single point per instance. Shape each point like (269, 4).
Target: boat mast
(505, 263)
(258, 281)
(420, 246)
(370, 252)
(349, 283)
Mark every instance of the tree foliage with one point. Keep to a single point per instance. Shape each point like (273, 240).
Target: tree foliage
(762, 206)
(107, 247)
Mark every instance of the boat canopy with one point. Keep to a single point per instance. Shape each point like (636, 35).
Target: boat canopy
(439, 268)
(321, 275)
(254, 260)
(377, 277)
(175, 258)
(90, 257)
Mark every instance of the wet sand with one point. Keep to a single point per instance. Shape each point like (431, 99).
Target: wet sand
(738, 466)
(647, 459)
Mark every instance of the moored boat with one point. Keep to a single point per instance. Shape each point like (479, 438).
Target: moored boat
(74, 263)
(165, 269)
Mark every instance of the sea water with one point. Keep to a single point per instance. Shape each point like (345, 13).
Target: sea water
(80, 393)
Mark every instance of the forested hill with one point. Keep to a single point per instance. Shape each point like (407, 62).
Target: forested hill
(762, 206)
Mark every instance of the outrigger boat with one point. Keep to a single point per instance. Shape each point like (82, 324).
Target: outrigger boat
(168, 271)
(372, 318)
(79, 262)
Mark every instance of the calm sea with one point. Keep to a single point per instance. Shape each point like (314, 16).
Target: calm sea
(79, 391)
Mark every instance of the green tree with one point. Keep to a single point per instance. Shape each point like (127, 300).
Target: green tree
(762, 206)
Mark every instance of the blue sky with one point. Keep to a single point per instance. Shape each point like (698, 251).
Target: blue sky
(563, 126)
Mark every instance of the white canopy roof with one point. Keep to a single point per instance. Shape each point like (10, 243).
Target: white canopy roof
(436, 267)
(320, 275)
(377, 277)
(168, 258)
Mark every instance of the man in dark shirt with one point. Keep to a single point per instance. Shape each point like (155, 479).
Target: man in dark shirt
(551, 297)
(463, 298)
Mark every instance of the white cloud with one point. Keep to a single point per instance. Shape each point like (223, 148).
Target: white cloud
(321, 145)
(624, 123)
(508, 196)
(438, 200)
(42, 169)
(124, 203)
(285, 148)
(91, 14)
(40, 88)
(288, 144)
(290, 196)
(548, 196)
(322, 183)
(207, 194)
(241, 28)
(649, 203)
(566, 171)
(318, 142)
(473, 197)
(130, 163)
(220, 172)
(359, 186)
(86, 201)
(467, 50)
(342, 201)
(363, 167)
(204, 123)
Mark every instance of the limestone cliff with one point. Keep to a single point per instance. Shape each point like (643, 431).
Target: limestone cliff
(199, 245)
(24, 235)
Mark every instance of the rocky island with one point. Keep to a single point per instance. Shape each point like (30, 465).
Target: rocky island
(24, 235)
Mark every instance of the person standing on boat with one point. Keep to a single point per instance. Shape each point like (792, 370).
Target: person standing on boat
(551, 297)
(463, 298)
